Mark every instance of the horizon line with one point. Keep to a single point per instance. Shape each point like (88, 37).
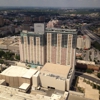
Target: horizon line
(43, 7)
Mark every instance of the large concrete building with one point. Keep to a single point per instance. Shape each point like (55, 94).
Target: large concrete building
(61, 46)
(83, 42)
(51, 75)
(15, 76)
(32, 47)
(48, 45)
(56, 76)
(52, 82)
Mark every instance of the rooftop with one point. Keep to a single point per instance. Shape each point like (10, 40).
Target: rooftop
(69, 31)
(85, 62)
(17, 71)
(24, 86)
(9, 93)
(56, 69)
(25, 33)
(75, 97)
(29, 73)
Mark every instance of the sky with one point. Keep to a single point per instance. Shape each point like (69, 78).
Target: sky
(51, 3)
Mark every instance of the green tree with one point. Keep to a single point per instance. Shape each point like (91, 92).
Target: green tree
(89, 71)
(98, 87)
(2, 53)
(29, 65)
(17, 57)
(98, 75)
(1, 62)
(94, 86)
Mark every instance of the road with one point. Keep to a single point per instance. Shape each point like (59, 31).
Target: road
(85, 31)
(88, 77)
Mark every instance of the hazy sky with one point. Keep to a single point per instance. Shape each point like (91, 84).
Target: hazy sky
(51, 3)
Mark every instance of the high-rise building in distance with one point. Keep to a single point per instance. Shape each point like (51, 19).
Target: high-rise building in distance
(83, 42)
(51, 45)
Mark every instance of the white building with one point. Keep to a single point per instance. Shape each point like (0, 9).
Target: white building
(83, 42)
(54, 76)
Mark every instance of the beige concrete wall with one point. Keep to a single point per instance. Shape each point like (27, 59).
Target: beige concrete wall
(7, 79)
(68, 84)
(0, 76)
(20, 81)
(11, 82)
(15, 81)
(46, 81)
(35, 81)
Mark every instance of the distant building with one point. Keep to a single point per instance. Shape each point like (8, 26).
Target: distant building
(35, 19)
(52, 24)
(27, 19)
(81, 64)
(1, 21)
(26, 27)
(41, 19)
(83, 42)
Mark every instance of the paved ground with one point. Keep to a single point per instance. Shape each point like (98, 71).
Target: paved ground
(88, 77)
(89, 92)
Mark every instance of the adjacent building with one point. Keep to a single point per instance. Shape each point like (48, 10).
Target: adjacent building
(61, 46)
(56, 76)
(32, 47)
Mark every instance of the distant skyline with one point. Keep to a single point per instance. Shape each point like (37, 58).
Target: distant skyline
(50, 3)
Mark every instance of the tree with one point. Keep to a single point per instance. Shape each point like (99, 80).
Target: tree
(94, 86)
(17, 57)
(1, 62)
(89, 71)
(98, 87)
(29, 65)
(98, 75)
(2, 53)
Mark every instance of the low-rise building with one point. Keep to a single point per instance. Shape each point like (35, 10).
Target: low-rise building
(56, 76)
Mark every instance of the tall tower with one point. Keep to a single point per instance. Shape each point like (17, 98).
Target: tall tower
(61, 46)
(32, 47)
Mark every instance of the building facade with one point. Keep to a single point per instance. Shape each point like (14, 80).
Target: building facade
(61, 45)
(53, 46)
(83, 42)
(32, 48)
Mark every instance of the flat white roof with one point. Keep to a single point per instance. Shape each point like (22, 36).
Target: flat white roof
(9, 93)
(15, 71)
(85, 62)
(24, 86)
(37, 74)
(29, 73)
(56, 69)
